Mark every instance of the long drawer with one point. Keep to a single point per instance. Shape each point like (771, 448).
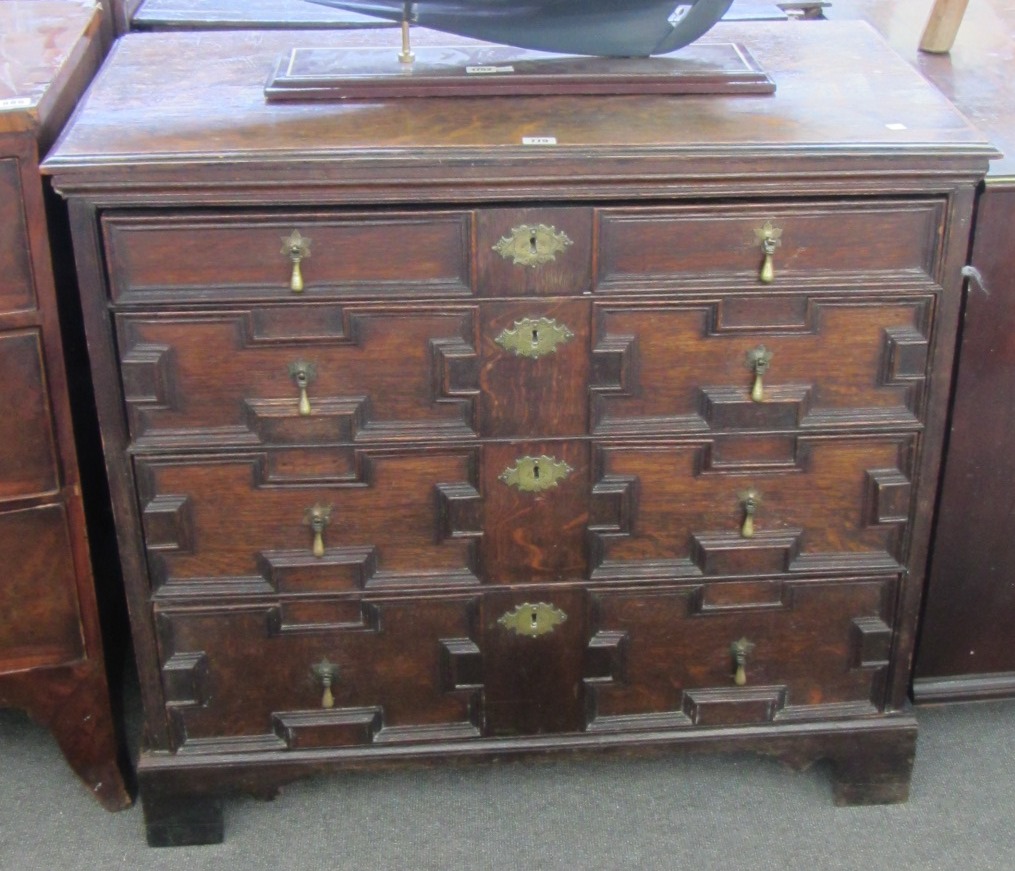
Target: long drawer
(317, 673)
(326, 373)
(344, 520)
(534, 251)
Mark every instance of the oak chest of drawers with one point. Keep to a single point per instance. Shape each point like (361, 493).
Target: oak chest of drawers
(428, 443)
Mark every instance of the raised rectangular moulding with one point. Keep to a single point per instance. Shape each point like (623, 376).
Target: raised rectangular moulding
(309, 73)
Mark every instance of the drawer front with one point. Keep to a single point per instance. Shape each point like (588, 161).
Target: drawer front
(751, 505)
(28, 461)
(534, 251)
(195, 256)
(39, 623)
(773, 361)
(738, 653)
(304, 374)
(674, 248)
(536, 510)
(310, 522)
(17, 284)
(324, 373)
(319, 674)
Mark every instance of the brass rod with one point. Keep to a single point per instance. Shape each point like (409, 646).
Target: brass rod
(406, 56)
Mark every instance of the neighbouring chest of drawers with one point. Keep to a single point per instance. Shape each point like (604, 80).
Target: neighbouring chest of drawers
(444, 474)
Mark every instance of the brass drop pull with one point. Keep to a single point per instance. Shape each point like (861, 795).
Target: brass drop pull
(750, 499)
(303, 373)
(318, 517)
(769, 238)
(757, 362)
(325, 672)
(532, 245)
(297, 247)
(741, 650)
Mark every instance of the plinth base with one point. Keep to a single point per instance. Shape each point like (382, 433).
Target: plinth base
(371, 73)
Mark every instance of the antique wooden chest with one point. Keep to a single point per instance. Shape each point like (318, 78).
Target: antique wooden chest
(445, 428)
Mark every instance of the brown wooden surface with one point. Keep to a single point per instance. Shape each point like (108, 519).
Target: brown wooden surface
(213, 467)
(50, 48)
(965, 649)
(51, 657)
(976, 72)
(966, 632)
(238, 14)
(153, 79)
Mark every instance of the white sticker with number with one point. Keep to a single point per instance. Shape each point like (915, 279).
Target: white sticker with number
(539, 140)
(12, 103)
(486, 71)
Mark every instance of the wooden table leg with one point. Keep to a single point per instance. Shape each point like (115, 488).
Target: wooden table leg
(945, 18)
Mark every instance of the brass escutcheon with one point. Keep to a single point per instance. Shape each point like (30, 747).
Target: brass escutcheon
(532, 620)
(535, 474)
(303, 373)
(534, 337)
(325, 672)
(770, 238)
(317, 517)
(757, 361)
(296, 247)
(741, 650)
(532, 245)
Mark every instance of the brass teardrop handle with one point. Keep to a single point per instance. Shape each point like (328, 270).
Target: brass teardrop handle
(750, 500)
(741, 650)
(769, 238)
(317, 518)
(296, 247)
(303, 373)
(757, 361)
(325, 672)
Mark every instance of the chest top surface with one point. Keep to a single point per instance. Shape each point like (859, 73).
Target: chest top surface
(166, 103)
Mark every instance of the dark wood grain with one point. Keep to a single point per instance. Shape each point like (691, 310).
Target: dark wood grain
(639, 548)
(971, 596)
(51, 652)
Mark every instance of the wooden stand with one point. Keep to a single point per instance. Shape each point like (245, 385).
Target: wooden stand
(369, 73)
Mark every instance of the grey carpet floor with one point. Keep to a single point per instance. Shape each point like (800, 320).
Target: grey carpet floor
(700, 813)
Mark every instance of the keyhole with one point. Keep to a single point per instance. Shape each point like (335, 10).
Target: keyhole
(532, 243)
(535, 619)
(535, 470)
(535, 337)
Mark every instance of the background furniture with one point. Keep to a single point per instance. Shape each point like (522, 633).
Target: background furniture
(51, 661)
(965, 648)
(433, 443)
(230, 14)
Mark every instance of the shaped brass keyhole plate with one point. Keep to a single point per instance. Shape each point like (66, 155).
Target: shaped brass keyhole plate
(532, 244)
(532, 620)
(535, 474)
(534, 337)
